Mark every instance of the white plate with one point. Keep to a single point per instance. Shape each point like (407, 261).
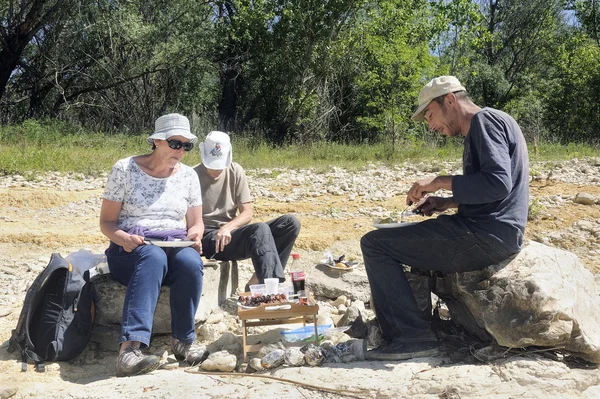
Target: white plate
(273, 306)
(387, 225)
(352, 265)
(170, 244)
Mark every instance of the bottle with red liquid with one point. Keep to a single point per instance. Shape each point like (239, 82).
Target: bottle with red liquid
(297, 274)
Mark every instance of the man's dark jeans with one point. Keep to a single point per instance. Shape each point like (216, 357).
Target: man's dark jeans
(443, 244)
(268, 244)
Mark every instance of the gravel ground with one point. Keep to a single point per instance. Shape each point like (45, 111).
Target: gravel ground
(59, 213)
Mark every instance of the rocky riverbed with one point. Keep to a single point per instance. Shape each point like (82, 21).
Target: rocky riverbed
(59, 213)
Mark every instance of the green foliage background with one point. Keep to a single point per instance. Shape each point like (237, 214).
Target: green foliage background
(283, 72)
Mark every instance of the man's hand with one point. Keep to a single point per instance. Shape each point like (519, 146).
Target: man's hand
(132, 242)
(222, 238)
(436, 204)
(426, 186)
(197, 242)
(420, 189)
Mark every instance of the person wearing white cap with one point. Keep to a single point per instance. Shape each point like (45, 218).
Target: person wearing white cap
(492, 197)
(155, 196)
(228, 211)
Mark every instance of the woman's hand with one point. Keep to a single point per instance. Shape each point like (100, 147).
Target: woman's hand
(193, 219)
(109, 213)
(131, 242)
(197, 238)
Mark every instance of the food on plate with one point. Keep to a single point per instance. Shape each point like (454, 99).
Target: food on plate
(386, 220)
(257, 300)
(337, 263)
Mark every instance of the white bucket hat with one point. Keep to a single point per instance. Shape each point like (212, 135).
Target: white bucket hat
(216, 151)
(172, 125)
(435, 88)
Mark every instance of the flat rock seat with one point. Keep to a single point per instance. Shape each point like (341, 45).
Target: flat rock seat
(220, 282)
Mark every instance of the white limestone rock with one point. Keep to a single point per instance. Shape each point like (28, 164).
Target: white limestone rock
(220, 361)
(542, 297)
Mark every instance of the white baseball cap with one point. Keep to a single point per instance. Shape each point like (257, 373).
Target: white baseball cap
(216, 151)
(435, 88)
(172, 125)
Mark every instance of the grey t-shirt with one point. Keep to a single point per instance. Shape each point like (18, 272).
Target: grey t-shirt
(493, 192)
(222, 196)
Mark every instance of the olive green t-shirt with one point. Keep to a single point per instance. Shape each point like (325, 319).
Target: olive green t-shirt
(222, 196)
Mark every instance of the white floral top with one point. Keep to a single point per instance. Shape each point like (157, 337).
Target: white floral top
(154, 203)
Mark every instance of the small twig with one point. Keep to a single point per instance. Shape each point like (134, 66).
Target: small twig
(359, 394)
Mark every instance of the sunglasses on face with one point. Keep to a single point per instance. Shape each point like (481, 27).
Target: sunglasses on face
(177, 144)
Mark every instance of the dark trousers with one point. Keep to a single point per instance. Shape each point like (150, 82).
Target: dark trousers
(443, 244)
(268, 244)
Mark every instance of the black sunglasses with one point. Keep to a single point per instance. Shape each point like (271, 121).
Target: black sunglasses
(176, 144)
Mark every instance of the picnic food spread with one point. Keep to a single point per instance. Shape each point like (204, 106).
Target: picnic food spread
(257, 300)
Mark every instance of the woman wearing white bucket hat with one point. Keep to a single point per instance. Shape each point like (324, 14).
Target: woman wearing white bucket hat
(171, 125)
(156, 196)
(227, 213)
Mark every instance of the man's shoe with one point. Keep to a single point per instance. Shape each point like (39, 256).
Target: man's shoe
(398, 350)
(133, 362)
(193, 353)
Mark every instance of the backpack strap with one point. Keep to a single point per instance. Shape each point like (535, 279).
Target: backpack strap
(26, 354)
(86, 279)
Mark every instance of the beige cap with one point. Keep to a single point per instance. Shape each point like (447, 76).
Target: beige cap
(435, 88)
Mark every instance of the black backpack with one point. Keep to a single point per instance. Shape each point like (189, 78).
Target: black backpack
(57, 316)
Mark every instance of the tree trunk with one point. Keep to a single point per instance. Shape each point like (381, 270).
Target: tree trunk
(9, 59)
(228, 103)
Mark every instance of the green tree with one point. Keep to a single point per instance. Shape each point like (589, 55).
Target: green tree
(390, 60)
(573, 99)
(21, 21)
(588, 13)
(119, 64)
(506, 46)
(272, 56)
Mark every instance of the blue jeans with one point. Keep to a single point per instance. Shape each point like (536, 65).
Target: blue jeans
(143, 271)
(444, 244)
(268, 244)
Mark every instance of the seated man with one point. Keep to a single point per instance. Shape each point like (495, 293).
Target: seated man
(492, 197)
(227, 213)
